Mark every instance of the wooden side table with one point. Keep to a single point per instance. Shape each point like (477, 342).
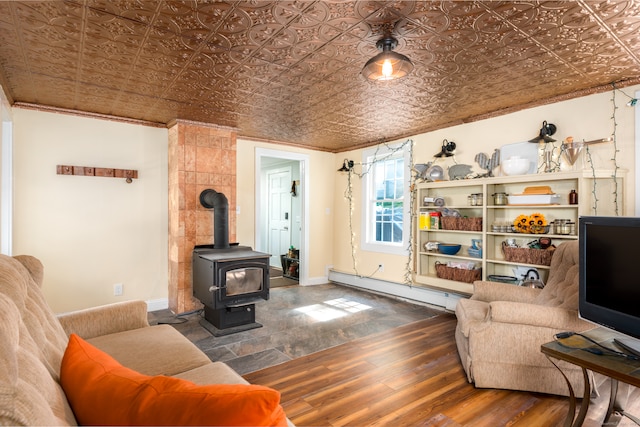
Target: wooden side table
(617, 368)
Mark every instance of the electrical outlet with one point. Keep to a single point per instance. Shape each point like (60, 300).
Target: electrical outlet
(380, 267)
(118, 289)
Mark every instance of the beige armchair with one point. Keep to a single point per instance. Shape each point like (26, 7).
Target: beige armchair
(501, 328)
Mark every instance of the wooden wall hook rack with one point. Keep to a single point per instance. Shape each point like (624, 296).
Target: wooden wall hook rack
(128, 174)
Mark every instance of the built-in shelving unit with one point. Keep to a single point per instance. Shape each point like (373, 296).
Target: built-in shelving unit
(473, 198)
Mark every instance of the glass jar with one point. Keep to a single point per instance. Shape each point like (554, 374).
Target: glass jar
(573, 197)
(476, 199)
(434, 218)
(563, 226)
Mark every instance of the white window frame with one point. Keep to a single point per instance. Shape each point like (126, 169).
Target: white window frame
(367, 239)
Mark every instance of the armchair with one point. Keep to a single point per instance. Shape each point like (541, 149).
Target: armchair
(501, 328)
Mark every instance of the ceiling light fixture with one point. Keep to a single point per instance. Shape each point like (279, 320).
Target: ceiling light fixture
(387, 65)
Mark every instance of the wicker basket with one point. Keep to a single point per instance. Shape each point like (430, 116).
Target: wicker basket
(458, 274)
(457, 223)
(527, 255)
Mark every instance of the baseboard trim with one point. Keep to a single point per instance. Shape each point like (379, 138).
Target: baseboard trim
(157, 304)
(413, 293)
(316, 281)
(433, 297)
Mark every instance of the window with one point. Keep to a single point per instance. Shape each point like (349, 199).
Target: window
(385, 208)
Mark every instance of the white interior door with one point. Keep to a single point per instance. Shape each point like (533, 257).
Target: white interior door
(300, 171)
(279, 220)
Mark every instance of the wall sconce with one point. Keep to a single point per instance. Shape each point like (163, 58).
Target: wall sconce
(347, 165)
(387, 65)
(448, 147)
(546, 131)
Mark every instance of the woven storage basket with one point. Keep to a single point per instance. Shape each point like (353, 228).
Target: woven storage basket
(465, 224)
(528, 255)
(458, 274)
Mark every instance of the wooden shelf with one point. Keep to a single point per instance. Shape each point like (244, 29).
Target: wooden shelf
(456, 195)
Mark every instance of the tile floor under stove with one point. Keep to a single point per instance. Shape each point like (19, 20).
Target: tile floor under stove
(298, 320)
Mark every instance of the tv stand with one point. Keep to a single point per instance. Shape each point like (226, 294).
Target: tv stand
(628, 344)
(617, 368)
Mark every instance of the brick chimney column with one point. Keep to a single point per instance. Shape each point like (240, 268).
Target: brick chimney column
(201, 156)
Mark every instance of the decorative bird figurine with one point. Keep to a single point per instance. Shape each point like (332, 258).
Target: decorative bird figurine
(421, 169)
(488, 164)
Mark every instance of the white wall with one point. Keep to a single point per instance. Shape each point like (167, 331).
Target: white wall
(6, 189)
(91, 232)
(585, 118)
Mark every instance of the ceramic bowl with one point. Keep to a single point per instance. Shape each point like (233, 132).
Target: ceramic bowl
(448, 248)
(431, 246)
(475, 253)
(515, 166)
(435, 173)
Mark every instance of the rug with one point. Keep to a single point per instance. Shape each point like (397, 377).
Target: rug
(275, 272)
(277, 280)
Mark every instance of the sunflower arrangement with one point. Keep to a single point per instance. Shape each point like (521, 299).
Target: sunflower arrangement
(535, 223)
(521, 224)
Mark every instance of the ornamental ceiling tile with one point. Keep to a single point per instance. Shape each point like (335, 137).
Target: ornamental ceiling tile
(289, 71)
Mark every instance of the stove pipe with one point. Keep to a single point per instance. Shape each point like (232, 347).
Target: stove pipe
(211, 199)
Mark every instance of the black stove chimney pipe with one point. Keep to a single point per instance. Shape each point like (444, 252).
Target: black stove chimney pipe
(211, 199)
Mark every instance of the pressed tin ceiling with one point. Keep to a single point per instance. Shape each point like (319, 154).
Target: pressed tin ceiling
(289, 71)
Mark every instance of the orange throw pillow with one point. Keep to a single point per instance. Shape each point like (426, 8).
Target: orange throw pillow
(103, 392)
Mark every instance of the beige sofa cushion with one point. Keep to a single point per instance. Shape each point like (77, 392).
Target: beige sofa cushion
(32, 343)
(105, 319)
(501, 328)
(155, 350)
(474, 312)
(212, 373)
(561, 290)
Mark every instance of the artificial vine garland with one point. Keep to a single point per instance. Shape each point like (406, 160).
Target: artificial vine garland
(348, 194)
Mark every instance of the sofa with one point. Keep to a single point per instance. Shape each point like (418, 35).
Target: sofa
(115, 347)
(501, 328)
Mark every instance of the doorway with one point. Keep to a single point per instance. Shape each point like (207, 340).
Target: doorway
(282, 206)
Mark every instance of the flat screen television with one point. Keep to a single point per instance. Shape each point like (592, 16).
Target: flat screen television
(609, 290)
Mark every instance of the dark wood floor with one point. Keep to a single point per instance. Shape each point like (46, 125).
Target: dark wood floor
(409, 377)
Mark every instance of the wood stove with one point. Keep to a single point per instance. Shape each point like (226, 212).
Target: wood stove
(228, 282)
(227, 278)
